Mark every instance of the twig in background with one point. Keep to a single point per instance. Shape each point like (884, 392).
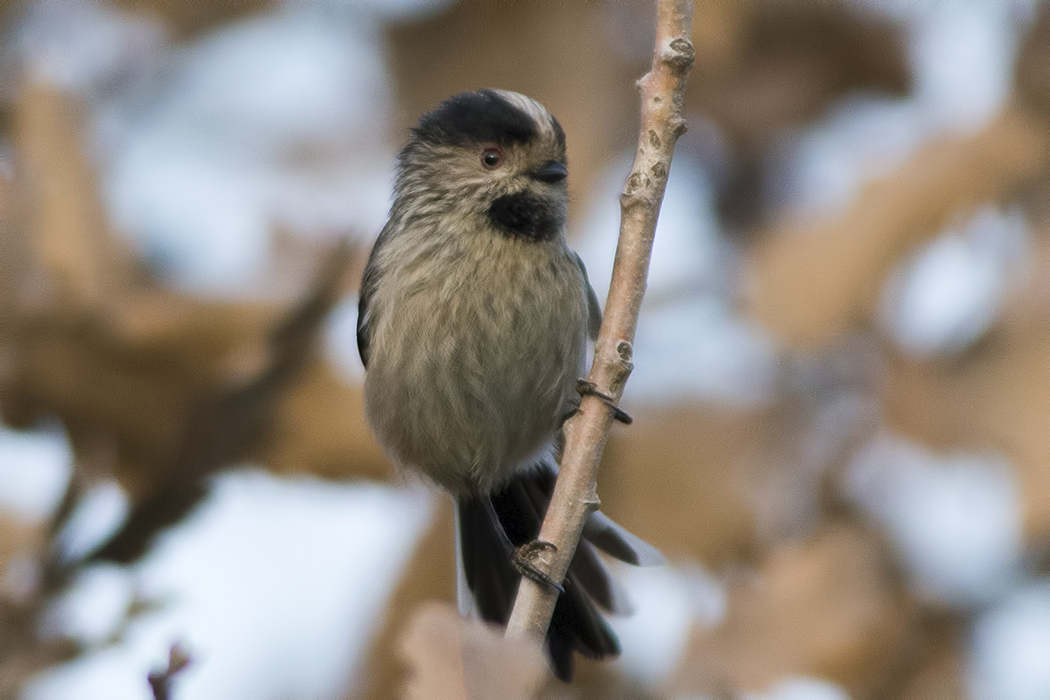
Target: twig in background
(160, 681)
(575, 496)
(228, 423)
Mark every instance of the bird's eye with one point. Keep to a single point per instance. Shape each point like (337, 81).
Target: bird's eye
(492, 157)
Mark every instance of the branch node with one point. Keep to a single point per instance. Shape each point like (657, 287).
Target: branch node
(625, 351)
(636, 182)
(632, 200)
(681, 56)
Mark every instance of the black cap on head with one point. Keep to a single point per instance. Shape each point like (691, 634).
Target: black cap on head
(476, 117)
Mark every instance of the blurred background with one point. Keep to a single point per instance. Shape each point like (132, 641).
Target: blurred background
(842, 383)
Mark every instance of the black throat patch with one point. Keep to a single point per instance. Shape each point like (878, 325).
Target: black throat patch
(525, 215)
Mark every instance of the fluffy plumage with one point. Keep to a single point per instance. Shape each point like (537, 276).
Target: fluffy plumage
(473, 322)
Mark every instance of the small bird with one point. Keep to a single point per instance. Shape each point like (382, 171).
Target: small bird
(473, 324)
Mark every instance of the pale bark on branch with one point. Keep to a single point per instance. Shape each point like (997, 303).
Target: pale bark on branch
(575, 495)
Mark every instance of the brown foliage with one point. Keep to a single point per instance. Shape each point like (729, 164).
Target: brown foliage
(824, 608)
(814, 281)
(158, 389)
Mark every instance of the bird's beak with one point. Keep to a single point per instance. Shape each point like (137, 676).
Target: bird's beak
(550, 172)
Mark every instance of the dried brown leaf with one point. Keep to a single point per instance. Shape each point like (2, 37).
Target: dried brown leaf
(826, 608)
(85, 266)
(995, 397)
(450, 657)
(429, 576)
(812, 282)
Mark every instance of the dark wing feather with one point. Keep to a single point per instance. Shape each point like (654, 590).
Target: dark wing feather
(369, 281)
(601, 531)
(594, 311)
(589, 571)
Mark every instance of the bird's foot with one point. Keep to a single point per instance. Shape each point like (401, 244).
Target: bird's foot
(523, 559)
(585, 387)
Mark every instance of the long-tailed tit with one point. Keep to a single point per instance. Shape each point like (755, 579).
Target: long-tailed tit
(473, 325)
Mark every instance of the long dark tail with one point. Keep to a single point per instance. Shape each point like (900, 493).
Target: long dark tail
(576, 624)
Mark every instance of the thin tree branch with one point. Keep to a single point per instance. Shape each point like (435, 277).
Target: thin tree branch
(161, 680)
(575, 495)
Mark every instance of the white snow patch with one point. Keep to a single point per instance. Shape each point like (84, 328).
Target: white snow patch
(955, 519)
(34, 469)
(949, 293)
(1010, 646)
(700, 348)
(821, 167)
(801, 688)
(275, 588)
(689, 251)
(93, 609)
(82, 45)
(690, 342)
(387, 10)
(98, 514)
(279, 122)
(668, 602)
(962, 57)
(340, 341)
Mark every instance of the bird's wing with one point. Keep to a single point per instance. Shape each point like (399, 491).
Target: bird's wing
(369, 281)
(594, 311)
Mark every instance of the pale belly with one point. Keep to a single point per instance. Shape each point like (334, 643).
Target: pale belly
(469, 390)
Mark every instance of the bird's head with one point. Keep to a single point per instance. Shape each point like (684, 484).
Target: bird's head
(493, 155)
